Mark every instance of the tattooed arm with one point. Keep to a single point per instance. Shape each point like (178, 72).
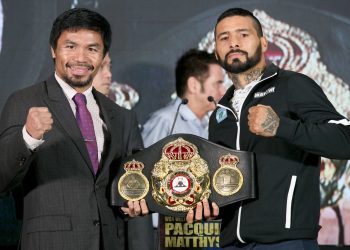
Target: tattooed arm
(262, 120)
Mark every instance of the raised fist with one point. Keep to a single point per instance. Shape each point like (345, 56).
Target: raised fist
(262, 120)
(39, 121)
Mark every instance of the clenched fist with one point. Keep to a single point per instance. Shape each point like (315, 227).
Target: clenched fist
(262, 120)
(39, 121)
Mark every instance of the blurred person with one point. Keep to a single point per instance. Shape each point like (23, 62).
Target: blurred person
(198, 76)
(122, 94)
(103, 79)
(61, 139)
(287, 121)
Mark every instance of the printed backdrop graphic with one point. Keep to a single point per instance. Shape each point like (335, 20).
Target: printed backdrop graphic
(149, 36)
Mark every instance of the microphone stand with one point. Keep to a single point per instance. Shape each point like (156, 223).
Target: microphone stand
(183, 101)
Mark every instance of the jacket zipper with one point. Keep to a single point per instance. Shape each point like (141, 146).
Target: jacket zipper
(289, 201)
(238, 147)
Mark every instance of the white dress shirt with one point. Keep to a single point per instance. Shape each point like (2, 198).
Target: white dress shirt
(159, 124)
(91, 105)
(240, 95)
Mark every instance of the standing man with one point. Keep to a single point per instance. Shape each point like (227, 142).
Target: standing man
(198, 76)
(61, 139)
(287, 121)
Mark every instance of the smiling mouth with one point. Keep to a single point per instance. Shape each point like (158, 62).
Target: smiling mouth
(80, 69)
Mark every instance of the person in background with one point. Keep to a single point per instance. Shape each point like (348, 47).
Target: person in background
(198, 76)
(139, 228)
(287, 121)
(103, 79)
(122, 94)
(61, 139)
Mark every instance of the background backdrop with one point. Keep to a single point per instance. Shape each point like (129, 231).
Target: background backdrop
(148, 37)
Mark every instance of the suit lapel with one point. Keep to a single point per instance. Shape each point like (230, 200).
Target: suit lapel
(61, 110)
(114, 130)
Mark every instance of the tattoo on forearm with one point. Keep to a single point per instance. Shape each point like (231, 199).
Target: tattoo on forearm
(271, 122)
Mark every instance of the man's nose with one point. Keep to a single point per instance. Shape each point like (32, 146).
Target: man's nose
(108, 75)
(220, 92)
(234, 43)
(80, 55)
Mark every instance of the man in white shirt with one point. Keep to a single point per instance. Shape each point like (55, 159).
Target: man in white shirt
(198, 76)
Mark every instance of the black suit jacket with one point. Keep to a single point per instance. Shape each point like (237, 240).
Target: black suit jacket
(65, 205)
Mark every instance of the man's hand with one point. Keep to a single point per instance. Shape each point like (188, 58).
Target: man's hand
(203, 210)
(263, 120)
(136, 208)
(39, 121)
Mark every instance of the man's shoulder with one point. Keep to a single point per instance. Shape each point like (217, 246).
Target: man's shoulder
(292, 74)
(27, 92)
(165, 113)
(290, 77)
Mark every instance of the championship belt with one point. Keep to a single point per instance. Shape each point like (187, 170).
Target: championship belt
(179, 171)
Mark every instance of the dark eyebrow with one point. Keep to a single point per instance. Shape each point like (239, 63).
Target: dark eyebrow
(69, 41)
(94, 45)
(223, 33)
(89, 45)
(237, 30)
(243, 30)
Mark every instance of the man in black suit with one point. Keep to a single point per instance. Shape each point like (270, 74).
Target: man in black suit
(65, 152)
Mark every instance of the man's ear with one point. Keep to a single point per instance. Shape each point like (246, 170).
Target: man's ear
(264, 44)
(215, 53)
(53, 54)
(193, 85)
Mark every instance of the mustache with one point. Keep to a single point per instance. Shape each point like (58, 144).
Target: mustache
(236, 51)
(89, 66)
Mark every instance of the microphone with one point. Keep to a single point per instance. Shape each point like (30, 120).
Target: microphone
(211, 99)
(183, 102)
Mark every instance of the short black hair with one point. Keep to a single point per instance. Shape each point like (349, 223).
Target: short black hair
(193, 63)
(81, 18)
(240, 12)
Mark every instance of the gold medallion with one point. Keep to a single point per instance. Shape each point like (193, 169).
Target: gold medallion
(228, 179)
(180, 179)
(133, 185)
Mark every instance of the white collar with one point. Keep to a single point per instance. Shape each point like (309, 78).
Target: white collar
(68, 90)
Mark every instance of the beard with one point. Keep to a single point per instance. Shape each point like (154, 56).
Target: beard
(78, 81)
(236, 66)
